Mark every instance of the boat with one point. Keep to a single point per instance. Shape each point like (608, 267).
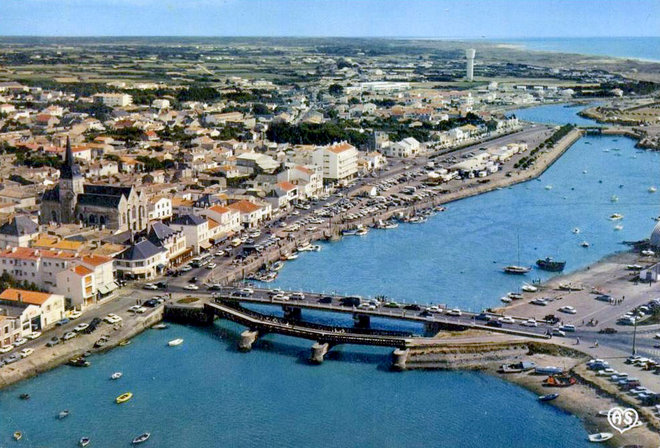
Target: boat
(290, 257)
(123, 398)
(116, 376)
(514, 295)
(548, 264)
(614, 198)
(306, 247)
(79, 361)
(569, 287)
(124, 342)
(175, 342)
(506, 299)
(18, 435)
(277, 266)
(24, 396)
(348, 232)
(63, 414)
(648, 253)
(548, 187)
(618, 227)
(84, 441)
(576, 230)
(361, 231)
(141, 438)
(316, 248)
(548, 370)
(529, 288)
(616, 216)
(517, 367)
(600, 437)
(548, 397)
(519, 270)
(560, 380)
(652, 189)
(160, 326)
(584, 244)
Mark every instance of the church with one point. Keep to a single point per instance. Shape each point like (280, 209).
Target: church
(118, 208)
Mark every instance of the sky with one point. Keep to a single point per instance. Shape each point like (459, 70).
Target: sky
(489, 19)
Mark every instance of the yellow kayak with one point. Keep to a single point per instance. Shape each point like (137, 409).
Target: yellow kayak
(123, 398)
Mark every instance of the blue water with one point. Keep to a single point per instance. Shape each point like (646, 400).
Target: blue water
(647, 48)
(457, 257)
(205, 393)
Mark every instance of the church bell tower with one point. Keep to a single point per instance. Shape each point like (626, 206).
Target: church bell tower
(70, 184)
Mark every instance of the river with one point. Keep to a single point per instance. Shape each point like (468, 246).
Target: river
(205, 393)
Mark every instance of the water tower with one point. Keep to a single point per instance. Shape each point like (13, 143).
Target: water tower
(469, 69)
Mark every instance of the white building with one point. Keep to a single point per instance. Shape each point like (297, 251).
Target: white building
(196, 230)
(114, 99)
(338, 161)
(160, 207)
(40, 310)
(408, 147)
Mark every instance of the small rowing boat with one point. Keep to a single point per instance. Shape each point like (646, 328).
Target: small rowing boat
(141, 438)
(600, 437)
(548, 397)
(63, 414)
(116, 376)
(18, 435)
(123, 398)
(84, 441)
(175, 342)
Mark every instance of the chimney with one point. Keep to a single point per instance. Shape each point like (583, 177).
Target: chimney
(20, 297)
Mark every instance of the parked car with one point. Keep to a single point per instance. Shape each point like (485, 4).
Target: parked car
(6, 348)
(53, 341)
(26, 352)
(62, 322)
(74, 315)
(34, 335)
(150, 287)
(12, 358)
(80, 327)
(20, 341)
(69, 335)
(112, 319)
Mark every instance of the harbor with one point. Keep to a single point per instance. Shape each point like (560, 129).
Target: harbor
(150, 365)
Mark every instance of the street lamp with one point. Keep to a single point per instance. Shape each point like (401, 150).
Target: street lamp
(634, 350)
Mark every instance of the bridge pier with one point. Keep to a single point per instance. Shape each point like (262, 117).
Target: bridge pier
(319, 350)
(399, 359)
(361, 320)
(292, 312)
(248, 337)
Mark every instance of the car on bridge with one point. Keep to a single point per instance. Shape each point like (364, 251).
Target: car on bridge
(483, 316)
(507, 320)
(325, 299)
(412, 307)
(494, 323)
(454, 312)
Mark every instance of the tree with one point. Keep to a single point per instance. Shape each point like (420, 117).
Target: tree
(335, 89)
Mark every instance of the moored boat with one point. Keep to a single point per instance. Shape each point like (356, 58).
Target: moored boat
(576, 230)
(84, 441)
(116, 376)
(63, 414)
(141, 438)
(529, 288)
(548, 264)
(560, 380)
(160, 326)
(518, 270)
(18, 435)
(123, 398)
(506, 299)
(79, 361)
(175, 342)
(548, 370)
(616, 216)
(652, 189)
(600, 437)
(548, 397)
(585, 244)
(24, 396)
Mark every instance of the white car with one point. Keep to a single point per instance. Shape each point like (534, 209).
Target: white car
(69, 335)
(150, 286)
(34, 335)
(454, 312)
(530, 323)
(112, 319)
(568, 309)
(80, 327)
(186, 268)
(75, 315)
(26, 352)
(558, 332)
(191, 287)
(211, 266)
(6, 348)
(137, 309)
(20, 341)
(507, 320)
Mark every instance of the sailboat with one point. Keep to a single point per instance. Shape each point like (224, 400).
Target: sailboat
(517, 269)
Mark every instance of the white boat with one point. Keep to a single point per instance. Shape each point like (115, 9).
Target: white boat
(614, 198)
(652, 189)
(175, 342)
(63, 414)
(160, 326)
(84, 441)
(548, 187)
(316, 248)
(584, 171)
(506, 299)
(618, 227)
(116, 376)
(576, 230)
(292, 256)
(141, 438)
(529, 288)
(600, 437)
(584, 244)
(616, 216)
(648, 253)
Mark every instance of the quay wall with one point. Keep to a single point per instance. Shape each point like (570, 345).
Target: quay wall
(44, 360)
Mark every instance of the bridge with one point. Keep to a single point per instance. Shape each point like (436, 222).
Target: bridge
(325, 336)
(362, 311)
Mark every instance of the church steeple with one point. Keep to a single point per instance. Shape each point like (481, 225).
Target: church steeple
(69, 169)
